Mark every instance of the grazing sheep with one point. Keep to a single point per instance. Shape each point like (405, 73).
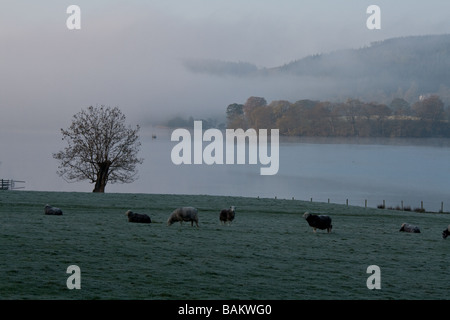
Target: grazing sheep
(446, 232)
(137, 217)
(318, 221)
(406, 227)
(52, 211)
(227, 215)
(184, 214)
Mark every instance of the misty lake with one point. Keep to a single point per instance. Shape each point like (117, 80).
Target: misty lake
(394, 170)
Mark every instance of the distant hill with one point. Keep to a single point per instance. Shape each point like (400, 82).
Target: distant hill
(423, 60)
(220, 68)
(403, 67)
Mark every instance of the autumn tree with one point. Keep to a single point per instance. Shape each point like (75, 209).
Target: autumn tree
(351, 110)
(400, 107)
(235, 116)
(431, 108)
(289, 122)
(321, 120)
(279, 107)
(101, 148)
(431, 112)
(250, 105)
(254, 102)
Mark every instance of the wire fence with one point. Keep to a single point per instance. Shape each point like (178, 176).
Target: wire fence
(380, 204)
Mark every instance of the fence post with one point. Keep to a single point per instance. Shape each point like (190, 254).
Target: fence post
(365, 203)
(4, 184)
(402, 205)
(421, 205)
(442, 206)
(346, 201)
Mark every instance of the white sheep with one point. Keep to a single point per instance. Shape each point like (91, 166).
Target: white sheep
(184, 214)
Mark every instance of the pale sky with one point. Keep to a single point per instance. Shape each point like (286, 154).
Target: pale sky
(129, 53)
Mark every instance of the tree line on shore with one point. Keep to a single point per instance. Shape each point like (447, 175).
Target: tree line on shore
(427, 117)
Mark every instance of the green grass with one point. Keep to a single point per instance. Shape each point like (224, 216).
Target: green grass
(268, 252)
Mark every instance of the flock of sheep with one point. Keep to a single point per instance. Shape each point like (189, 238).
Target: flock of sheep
(181, 214)
(178, 215)
(324, 222)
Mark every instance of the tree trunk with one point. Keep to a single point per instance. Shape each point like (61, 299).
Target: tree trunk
(102, 176)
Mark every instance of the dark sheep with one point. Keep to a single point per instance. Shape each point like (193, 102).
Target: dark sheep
(52, 211)
(184, 214)
(227, 215)
(137, 217)
(321, 222)
(446, 232)
(406, 227)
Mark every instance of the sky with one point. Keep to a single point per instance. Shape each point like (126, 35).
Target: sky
(130, 54)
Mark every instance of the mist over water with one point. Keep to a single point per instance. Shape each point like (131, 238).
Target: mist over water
(337, 169)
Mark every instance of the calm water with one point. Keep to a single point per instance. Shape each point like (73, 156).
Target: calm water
(337, 169)
(322, 169)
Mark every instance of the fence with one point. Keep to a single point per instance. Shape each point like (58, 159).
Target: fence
(6, 184)
(382, 205)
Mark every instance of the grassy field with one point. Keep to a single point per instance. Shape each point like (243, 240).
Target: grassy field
(268, 252)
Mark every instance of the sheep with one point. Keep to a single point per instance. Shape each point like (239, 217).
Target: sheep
(227, 215)
(446, 232)
(318, 221)
(406, 227)
(52, 211)
(138, 217)
(184, 214)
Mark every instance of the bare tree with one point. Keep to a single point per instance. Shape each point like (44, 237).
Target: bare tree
(101, 148)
